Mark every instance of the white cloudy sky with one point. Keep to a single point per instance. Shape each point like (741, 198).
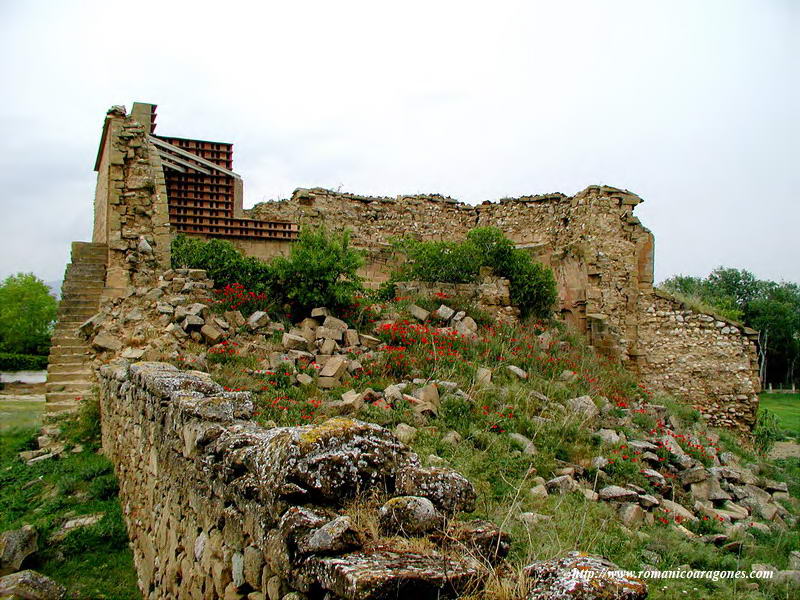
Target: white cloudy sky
(691, 104)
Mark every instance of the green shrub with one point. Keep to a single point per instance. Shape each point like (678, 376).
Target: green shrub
(223, 262)
(533, 288)
(22, 362)
(321, 270)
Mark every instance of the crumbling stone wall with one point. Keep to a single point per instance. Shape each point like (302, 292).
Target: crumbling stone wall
(600, 253)
(220, 507)
(703, 358)
(602, 259)
(131, 212)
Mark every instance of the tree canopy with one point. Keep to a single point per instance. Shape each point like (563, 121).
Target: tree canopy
(27, 314)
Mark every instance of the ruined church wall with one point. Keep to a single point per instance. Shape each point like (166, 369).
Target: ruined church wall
(710, 362)
(132, 188)
(602, 258)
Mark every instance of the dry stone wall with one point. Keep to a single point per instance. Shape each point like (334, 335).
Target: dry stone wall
(702, 357)
(491, 294)
(220, 507)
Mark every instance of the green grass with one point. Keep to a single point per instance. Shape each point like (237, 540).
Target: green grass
(92, 562)
(15, 414)
(786, 407)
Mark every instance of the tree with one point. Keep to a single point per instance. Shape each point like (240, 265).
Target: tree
(27, 314)
(776, 315)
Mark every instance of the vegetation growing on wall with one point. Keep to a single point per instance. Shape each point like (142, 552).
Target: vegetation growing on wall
(533, 288)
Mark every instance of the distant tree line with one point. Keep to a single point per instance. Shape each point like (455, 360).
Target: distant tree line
(772, 308)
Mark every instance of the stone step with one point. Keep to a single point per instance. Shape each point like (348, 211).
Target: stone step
(71, 315)
(68, 351)
(84, 269)
(67, 340)
(82, 370)
(77, 387)
(58, 405)
(77, 302)
(75, 374)
(82, 294)
(92, 289)
(78, 361)
(85, 275)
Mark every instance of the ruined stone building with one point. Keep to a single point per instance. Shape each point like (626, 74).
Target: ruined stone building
(151, 187)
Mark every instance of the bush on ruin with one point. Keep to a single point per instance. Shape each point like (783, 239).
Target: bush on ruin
(533, 287)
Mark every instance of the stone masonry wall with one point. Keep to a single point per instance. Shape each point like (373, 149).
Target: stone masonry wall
(220, 507)
(709, 361)
(602, 259)
(131, 213)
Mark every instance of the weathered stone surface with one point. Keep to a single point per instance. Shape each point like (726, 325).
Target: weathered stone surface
(517, 372)
(563, 484)
(336, 536)
(616, 493)
(409, 515)
(15, 546)
(405, 433)
(583, 406)
(676, 510)
(450, 491)
(387, 575)
(105, 342)
(579, 576)
(258, 320)
(419, 313)
(30, 585)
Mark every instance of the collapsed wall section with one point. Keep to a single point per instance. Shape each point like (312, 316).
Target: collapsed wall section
(707, 360)
(218, 506)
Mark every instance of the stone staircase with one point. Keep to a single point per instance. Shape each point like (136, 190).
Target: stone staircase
(69, 371)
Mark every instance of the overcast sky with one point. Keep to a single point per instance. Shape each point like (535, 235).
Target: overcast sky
(693, 105)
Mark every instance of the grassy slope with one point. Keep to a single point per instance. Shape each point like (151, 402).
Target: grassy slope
(786, 407)
(562, 368)
(93, 562)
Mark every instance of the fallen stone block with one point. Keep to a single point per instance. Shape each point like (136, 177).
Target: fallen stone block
(409, 515)
(30, 585)
(582, 577)
(15, 546)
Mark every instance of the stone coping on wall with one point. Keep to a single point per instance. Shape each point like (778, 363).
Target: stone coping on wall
(749, 332)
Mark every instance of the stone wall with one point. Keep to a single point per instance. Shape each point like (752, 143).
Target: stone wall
(602, 258)
(131, 213)
(220, 507)
(703, 358)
